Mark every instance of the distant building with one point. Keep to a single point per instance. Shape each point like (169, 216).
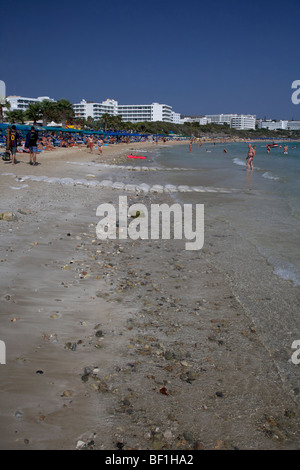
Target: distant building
(202, 121)
(293, 125)
(128, 112)
(273, 125)
(86, 109)
(2, 91)
(243, 122)
(147, 112)
(176, 117)
(220, 118)
(22, 103)
(236, 121)
(279, 125)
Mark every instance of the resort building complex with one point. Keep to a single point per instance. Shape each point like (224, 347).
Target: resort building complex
(128, 112)
(236, 121)
(149, 112)
(95, 110)
(279, 125)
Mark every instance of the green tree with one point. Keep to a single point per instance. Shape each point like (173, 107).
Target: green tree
(34, 112)
(17, 115)
(90, 122)
(106, 118)
(117, 122)
(65, 110)
(49, 111)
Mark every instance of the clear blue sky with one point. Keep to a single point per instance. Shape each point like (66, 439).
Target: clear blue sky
(200, 57)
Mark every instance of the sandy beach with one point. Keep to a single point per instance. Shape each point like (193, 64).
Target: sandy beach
(124, 344)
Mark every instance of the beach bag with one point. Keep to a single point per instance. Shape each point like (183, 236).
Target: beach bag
(5, 156)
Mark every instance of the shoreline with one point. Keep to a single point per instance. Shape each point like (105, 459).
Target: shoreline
(126, 344)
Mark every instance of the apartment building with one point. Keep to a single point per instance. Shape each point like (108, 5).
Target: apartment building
(293, 125)
(220, 118)
(202, 121)
(272, 125)
(2, 91)
(86, 109)
(128, 112)
(243, 122)
(22, 103)
(147, 112)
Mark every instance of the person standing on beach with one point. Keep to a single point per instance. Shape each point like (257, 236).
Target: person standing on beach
(91, 143)
(31, 143)
(100, 145)
(250, 157)
(285, 150)
(14, 139)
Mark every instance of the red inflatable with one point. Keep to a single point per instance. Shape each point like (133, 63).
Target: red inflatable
(136, 156)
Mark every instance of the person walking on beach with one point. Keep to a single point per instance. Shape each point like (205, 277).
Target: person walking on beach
(250, 157)
(14, 139)
(31, 143)
(91, 143)
(100, 145)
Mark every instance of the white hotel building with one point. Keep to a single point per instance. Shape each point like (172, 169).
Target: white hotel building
(220, 118)
(243, 122)
(279, 125)
(235, 121)
(128, 112)
(86, 109)
(18, 103)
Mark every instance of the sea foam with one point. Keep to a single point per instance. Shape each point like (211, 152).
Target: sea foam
(119, 185)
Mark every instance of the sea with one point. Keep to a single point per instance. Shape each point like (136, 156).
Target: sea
(262, 205)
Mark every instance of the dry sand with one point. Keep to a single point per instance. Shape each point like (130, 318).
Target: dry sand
(123, 344)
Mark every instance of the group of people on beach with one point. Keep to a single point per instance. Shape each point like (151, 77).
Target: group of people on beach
(16, 142)
(13, 139)
(91, 142)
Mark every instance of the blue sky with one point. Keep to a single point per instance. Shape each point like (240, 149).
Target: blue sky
(201, 57)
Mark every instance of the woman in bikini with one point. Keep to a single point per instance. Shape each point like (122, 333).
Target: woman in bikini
(250, 157)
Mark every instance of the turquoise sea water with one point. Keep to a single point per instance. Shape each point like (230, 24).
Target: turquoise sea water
(263, 205)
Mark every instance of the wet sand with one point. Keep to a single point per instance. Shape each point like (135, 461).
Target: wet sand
(124, 344)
